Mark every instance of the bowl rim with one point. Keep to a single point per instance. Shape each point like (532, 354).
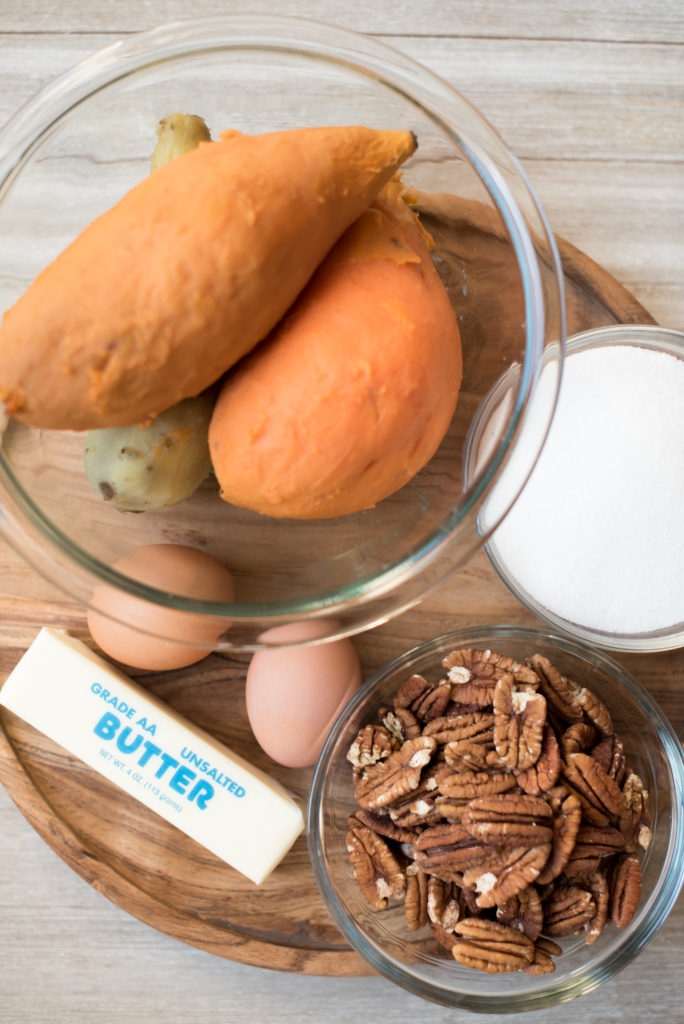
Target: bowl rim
(671, 875)
(669, 638)
(368, 55)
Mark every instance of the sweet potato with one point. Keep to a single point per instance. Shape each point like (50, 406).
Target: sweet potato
(185, 274)
(353, 391)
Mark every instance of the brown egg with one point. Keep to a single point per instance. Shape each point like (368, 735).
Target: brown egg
(149, 636)
(294, 694)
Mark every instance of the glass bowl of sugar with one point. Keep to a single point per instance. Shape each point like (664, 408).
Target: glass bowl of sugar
(595, 543)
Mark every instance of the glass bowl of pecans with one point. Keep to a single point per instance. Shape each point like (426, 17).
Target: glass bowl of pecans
(496, 821)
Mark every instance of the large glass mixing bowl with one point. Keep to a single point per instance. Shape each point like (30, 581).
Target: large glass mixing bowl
(72, 151)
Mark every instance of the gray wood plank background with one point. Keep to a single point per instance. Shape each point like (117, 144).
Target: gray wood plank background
(590, 96)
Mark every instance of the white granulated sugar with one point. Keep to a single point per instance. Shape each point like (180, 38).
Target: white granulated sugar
(597, 536)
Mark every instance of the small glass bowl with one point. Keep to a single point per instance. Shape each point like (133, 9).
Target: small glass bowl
(658, 339)
(412, 959)
(72, 151)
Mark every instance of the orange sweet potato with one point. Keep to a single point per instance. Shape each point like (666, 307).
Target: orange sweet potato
(183, 276)
(353, 391)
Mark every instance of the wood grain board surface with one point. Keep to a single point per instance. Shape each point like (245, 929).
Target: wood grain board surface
(589, 96)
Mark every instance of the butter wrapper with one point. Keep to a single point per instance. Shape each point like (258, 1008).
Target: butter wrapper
(178, 770)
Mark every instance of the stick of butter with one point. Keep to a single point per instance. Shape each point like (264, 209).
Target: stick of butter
(79, 700)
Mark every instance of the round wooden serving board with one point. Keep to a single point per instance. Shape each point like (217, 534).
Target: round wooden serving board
(145, 865)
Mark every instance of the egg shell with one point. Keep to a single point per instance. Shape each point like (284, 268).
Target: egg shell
(176, 569)
(294, 694)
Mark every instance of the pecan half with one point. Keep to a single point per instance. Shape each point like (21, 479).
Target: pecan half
(509, 819)
(491, 947)
(578, 737)
(470, 900)
(597, 884)
(400, 773)
(419, 806)
(638, 824)
(519, 719)
(544, 774)
(472, 784)
(444, 938)
(414, 818)
(373, 743)
(421, 698)
(595, 710)
(402, 724)
(451, 809)
(544, 950)
(610, 754)
(556, 795)
(579, 869)
(566, 823)
(384, 826)
(597, 842)
(506, 873)
(524, 912)
(625, 889)
(445, 905)
(454, 727)
(600, 796)
(469, 696)
(466, 755)
(415, 906)
(376, 869)
(416, 815)
(567, 910)
(448, 847)
(560, 692)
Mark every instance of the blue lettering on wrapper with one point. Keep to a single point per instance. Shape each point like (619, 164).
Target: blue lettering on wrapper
(149, 751)
(202, 791)
(107, 726)
(121, 706)
(195, 759)
(128, 748)
(219, 778)
(181, 777)
(142, 723)
(167, 761)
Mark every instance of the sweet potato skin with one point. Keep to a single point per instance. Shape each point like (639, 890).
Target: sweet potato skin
(185, 274)
(354, 390)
